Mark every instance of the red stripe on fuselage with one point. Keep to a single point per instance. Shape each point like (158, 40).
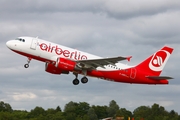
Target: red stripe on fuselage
(120, 76)
(116, 75)
(33, 56)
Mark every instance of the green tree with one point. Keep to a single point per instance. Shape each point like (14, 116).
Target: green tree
(101, 111)
(58, 116)
(19, 114)
(70, 107)
(50, 111)
(158, 112)
(41, 117)
(76, 110)
(82, 109)
(124, 113)
(5, 107)
(6, 116)
(37, 111)
(92, 115)
(70, 116)
(173, 115)
(70, 110)
(142, 112)
(58, 109)
(112, 109)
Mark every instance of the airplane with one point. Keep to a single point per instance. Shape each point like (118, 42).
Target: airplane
(63, 60)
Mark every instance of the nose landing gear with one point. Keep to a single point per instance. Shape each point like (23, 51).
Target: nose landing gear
(29, 60)
(26, 65)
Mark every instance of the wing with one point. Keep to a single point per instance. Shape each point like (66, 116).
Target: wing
(94, 63)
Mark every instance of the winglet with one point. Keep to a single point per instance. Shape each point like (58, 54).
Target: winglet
(129, 58)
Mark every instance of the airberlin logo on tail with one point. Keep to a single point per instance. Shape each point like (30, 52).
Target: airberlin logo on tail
(159, 60)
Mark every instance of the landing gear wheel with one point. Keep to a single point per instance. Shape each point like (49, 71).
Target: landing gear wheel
(26, 65)
(75, 81)
(84, 80)
(28, 61)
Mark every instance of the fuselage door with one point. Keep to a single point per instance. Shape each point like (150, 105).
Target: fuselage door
(133, 73)
(34, 44)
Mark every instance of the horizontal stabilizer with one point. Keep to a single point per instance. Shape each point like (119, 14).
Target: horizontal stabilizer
(159, 77)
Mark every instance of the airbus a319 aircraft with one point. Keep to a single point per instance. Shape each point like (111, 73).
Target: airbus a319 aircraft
(63, 60)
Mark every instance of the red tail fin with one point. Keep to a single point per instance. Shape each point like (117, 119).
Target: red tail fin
(156, 62)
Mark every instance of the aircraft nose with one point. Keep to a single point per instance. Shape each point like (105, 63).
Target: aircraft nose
(8, 44)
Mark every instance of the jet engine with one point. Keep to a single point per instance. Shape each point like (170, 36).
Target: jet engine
(50, 68)
(66, 64)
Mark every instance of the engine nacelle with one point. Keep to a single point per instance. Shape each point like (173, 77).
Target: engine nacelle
(50, 68)
(66, 64)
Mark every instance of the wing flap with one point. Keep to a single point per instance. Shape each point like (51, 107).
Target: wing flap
(159, 77)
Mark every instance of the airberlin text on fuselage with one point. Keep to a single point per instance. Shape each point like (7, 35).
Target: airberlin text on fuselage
(59, 51)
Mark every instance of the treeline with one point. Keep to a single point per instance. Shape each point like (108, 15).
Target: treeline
(83, 111)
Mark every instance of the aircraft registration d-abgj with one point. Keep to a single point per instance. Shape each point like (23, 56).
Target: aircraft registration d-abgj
(59, 59)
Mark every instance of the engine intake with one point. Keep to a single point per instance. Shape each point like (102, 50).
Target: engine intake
(50, 68)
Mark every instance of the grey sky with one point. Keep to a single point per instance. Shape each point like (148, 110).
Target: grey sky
(101, 27)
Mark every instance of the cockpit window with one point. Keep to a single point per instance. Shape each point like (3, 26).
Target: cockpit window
(20, 39)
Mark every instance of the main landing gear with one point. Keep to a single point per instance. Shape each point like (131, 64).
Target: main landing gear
(76, 81)
(29, 60)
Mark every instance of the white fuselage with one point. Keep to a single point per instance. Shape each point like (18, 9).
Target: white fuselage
(49, 51)
(62, 60)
